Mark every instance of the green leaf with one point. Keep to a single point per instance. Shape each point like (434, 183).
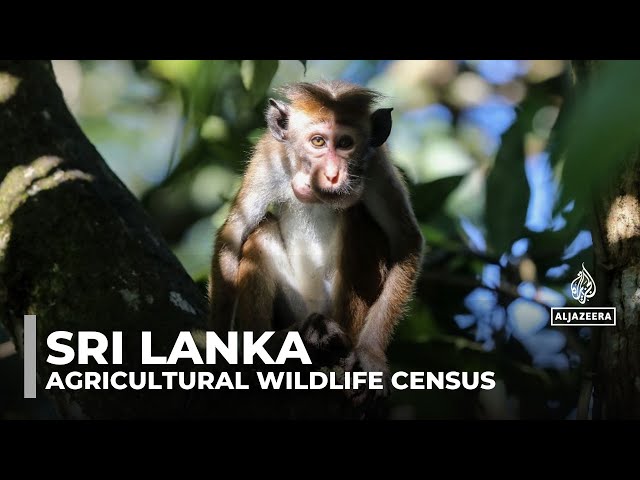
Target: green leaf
(257, 76)
(507, 194)
(428, 198)
(181, 72)
(304, 64)
(204, 81)
(601, 130)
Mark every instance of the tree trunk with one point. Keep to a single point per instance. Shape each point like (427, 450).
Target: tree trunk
(617, 249)
(78, 251)
(617, 385)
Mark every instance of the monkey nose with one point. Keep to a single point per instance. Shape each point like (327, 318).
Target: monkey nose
(332, 176)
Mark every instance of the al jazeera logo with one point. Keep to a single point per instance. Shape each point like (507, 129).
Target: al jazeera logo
(583, 289)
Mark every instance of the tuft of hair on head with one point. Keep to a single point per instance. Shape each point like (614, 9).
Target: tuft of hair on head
(336, 95)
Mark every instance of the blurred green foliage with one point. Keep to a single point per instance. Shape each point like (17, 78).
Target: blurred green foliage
(600, 133)
(498, 181)
(505, 219)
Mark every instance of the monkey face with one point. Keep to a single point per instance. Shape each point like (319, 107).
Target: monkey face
(328, 143)
(333, 153)
(330, 161)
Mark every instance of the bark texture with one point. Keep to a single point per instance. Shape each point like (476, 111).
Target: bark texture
(617, 249)
(78, 251)
(618, 365)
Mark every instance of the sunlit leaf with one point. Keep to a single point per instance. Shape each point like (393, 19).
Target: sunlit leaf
(473, 235)
(526, 318)
(464, 320)
(580, 243)
(179, 71)
(546, 341)
(481, 301)
(550, 297)
(498, 318)
(519, 247)
(257, 76)
(491, 275)
(557, 272)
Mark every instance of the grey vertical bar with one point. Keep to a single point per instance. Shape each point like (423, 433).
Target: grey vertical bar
(29, 352)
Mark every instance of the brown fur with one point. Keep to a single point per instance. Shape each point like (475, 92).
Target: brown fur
(337, 96)
(256, 284)
(378, 263)
(322, 100)
(363, 268)
(223, 289)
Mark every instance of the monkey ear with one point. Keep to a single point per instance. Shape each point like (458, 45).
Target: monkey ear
(278, 119)
(380, 126)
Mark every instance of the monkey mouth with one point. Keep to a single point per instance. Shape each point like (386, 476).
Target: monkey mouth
(342, 197)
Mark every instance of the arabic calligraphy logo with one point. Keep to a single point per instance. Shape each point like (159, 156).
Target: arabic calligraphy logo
(583, 286)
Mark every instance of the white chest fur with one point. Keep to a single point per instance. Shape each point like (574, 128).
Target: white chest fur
(312, 241)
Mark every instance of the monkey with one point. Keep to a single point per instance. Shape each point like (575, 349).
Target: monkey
(322, 226)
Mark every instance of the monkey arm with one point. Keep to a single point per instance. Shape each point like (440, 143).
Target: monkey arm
(258, 189)
(387, 200)
(247, 210)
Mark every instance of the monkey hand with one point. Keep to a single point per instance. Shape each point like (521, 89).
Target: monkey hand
(325, 340)
(371, 401)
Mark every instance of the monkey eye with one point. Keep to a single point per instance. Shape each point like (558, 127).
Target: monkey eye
(318, 141)
(345, 142)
